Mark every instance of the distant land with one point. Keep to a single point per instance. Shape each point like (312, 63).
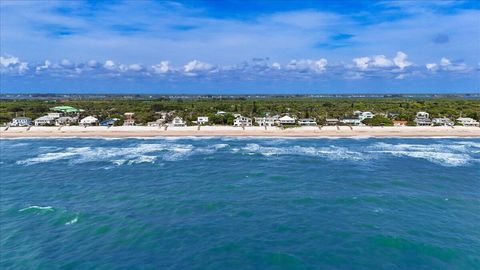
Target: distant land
(50, 96)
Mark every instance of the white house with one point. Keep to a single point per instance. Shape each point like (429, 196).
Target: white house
(65, 120)
(287, 120)
(21, 122)
(54, 115)
(331, 121)
(178, 122)
(423, 115)
(89, 121)
(351, 121)
(442, 122)
(365, 115)
(44, 121)
(267, 120)
(128, 119)
(423, 119)
(307, 122)
(157, 123)
(202, 120)
(468, 122)
(242, 121)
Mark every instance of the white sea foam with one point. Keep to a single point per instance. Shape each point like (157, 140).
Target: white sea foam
(142, 159)
(447, 154)
(73, 221)
(46, 158)
(36, 207)
(331, 152)
(139, 153)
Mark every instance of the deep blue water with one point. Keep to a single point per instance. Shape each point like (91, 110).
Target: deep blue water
(227, 203)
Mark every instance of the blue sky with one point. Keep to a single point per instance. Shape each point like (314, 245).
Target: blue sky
(238, 46)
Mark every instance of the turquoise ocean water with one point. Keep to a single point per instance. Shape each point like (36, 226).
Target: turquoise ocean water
(240, 203)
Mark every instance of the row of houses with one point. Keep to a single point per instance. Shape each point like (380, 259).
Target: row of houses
(63, 119)
(60, 119)
(423, 119)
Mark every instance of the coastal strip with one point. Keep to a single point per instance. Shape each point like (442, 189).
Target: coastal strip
(316, 131)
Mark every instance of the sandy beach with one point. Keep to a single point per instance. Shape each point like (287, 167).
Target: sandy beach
(328, 131)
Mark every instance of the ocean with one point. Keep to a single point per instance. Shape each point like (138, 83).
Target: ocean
(240, 203)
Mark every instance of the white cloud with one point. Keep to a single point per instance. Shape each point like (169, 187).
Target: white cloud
(446, 65)
(197, 66)
(361, 62)
(276, 66)
(23, 67)
(375, 66)
(7, 61)
(12, 64)
(431, 66)
(93, 64)
(66, 63)
(445, 62)
(135, 67)
(109, 64)
(46, 65)
(381, 61)
(400, 60)
(304, 65)
(163, 67)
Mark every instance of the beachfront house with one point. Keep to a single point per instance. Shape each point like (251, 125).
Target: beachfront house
(423, 119)
(157, 123)
(202, 120)
(267, 121)
(44, 121)
(307, 122)
(467, 122)
(89, 121)
(21, 122)
(128, 119)
(242, 121)
(331, 121)
(287, 120)
(351, 122)
(65, 121)
(55, 115)
(178, 122)
(363, 115)
(400, 123)
(442, 122)
(108, 122)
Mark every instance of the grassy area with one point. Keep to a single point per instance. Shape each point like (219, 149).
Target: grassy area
(301, 107)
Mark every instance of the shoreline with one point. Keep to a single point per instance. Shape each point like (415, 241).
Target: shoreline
(229, 131)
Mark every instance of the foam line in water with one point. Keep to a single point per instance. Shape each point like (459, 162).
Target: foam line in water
(36, 207)
(73, 221)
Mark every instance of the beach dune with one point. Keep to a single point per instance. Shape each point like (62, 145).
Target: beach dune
(328, 131)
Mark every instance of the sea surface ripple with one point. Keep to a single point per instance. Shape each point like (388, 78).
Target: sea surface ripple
(240, 203)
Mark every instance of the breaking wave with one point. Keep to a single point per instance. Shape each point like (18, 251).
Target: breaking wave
(331, 152)
(448, 154)
(441, 152)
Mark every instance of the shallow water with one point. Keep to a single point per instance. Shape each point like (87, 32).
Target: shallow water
(240, 203)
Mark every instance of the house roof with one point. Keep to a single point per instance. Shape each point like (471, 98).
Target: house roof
(89, 118)
(45, 118)
(286, 117)
(67, 109)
